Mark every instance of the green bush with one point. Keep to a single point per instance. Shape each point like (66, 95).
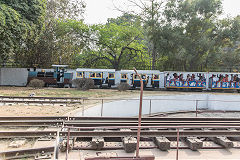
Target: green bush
(83, 84)
(36, 83)
(123, 86)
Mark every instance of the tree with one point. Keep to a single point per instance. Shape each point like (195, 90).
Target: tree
(19, 21)
(150, 14)
(195, 25)
(114, 46)
(52, 47)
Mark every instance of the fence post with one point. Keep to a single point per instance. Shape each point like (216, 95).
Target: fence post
(150, 107)
(196, 108)
(68, 137)
(83, 109)
(177, 143)
(102, 109)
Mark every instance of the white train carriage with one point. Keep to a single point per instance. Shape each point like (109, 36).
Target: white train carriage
(186, 80)
(151, 78)
(100, 76)
(227, 81)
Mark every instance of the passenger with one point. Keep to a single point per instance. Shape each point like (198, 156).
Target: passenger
(175, 77)
(188, 77)
(220, 78)
(232, 78)
(203, 78)
(237, 79)
(181, 77)
(225, 79)
(99, 75)
(199, 76)
(215, 78)
(193, 77)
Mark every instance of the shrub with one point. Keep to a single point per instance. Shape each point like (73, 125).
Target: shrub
(36, 83)
(83, 84)
(123, 86)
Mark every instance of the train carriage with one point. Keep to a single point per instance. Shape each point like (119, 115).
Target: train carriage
(224, 81)
(151, 78)
(186, 80)
(100, 76)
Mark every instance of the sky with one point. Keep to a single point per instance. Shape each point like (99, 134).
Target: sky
(98, 11)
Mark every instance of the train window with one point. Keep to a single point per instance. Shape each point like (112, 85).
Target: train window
(136, 76)
(80, 74)
(40, 74)
(123, 76)
(92, 75)
(98, 75)
(111, 75)
(156, 76)
(143, 76)
(49, 74)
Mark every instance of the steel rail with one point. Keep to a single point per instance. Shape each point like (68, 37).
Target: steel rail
(86, 123)
(149, 124)
(154, 118)
(34, 118)
(149, 133)
(120, 119)
(39, 102)
(40, 123)
(53, 98)
(27, 134)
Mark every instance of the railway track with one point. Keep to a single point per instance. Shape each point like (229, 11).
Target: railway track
(96, 133)
(10, 100)
(110, 121)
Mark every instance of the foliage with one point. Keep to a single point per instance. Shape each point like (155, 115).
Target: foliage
(114, 46)
(123, 86)
(36, 83)
(19, 22)
(83, 84)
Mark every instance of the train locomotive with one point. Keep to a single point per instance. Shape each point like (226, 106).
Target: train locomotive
(52, 77)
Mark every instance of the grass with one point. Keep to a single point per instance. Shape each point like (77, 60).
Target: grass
(63, 92)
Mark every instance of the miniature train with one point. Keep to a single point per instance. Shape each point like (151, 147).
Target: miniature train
(151, 78)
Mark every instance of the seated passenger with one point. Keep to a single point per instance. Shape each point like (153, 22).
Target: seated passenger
(215, 78)
(175, 77)
(181, 77)
(188, 77)
(193, 77)
(98, 75)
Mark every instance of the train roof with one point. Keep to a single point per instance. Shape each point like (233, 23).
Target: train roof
(94, 70)
(141, 71)
(184, 72)
(64, 66)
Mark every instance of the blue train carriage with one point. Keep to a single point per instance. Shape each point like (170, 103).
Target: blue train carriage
(224, 81)
(150, 78)
(186, 80)
(100, 76)
(52, 77)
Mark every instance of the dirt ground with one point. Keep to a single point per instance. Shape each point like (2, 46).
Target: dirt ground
(25, 110)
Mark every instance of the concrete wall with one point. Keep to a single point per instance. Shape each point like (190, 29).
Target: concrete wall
(168, 103)
(13, 76)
